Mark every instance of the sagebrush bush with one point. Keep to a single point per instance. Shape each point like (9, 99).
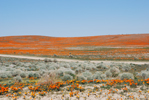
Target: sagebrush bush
(67, 77)
(3, 75)
(126, 75)
(126, 67)
(108, 73)
(103, 76)
(97, 75)
(90, 78)
(30, 74)
(145, 74)
(80, 78)
(115, 71)
(51, 68)
(70, 72)
(86, 74)
(36, 75)
(78, 70)
(88, 68)
(18, 79)
(66, 66)
(59, 73)
(23, 74)
(16, 72)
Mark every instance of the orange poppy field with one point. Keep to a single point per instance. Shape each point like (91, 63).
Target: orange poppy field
(51, 79)
(112, 47)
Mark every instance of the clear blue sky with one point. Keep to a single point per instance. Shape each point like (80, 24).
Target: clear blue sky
(71, 18)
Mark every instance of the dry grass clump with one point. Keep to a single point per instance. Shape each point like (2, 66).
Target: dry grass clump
(48, 78)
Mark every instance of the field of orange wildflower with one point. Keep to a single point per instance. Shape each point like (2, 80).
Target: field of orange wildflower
(112, 47)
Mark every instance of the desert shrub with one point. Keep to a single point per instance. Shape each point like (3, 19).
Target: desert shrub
(115, 71)
(94, 68)
(78, 70)
(9, 75)
(3, 75)
(90, 78)
(48, 78)
(108, 73)
(73, 66)
(83, 65)
(80, 78)
(59, 72)
(126, 67)
(147, 69)
(16, 72)
(145, 74)
(101, 65)
(97, 75)
(51, 68)
(23, 74)
(37, 75)
(42, 67)
(126, 76)
(47, 60)
(88, 67)
(66, 66)
(67, 77)
(27, 64)
(103, 76)
(86, 74)
(18, 79)
(30, 74)
(9, 69)
(70, 72)
(42, 71)
(138, 74)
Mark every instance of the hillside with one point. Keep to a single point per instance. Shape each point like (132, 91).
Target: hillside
(106, 45)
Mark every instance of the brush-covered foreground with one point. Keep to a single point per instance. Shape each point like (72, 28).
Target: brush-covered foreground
(22, 79)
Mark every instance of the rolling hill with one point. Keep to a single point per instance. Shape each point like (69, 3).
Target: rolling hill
(134, 46)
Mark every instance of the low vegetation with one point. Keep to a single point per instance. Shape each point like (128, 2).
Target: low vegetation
(23, 79)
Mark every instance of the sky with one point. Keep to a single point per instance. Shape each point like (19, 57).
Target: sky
(73, 18)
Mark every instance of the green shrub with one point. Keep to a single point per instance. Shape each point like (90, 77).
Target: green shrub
(67, 77)
(108, 73)
(30, 74)
(80, 78)
(59, 73)
(16, 72)
(97, 75)
(9, 75)
(115, 71)
(70, 72)
(37, 75)
(23, 74)
(3, 75)
(18, 79)
(126, 67)
(78, 70)
(86, 74)
(126, 76)
(103, 76)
